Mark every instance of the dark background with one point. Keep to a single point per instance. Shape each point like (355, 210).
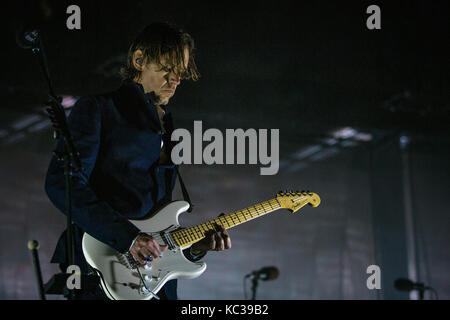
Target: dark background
(307, 68)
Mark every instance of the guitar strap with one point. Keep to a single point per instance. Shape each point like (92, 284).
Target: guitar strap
(184, 191)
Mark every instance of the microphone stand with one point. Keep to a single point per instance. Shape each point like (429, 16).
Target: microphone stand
(72, 163)
(421, 293)
(33, 246)
(255, 277)
(254, 286)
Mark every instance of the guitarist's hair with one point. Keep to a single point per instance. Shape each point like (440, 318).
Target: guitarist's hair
(162, 40)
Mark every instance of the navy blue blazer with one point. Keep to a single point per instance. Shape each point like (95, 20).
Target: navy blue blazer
(118, 136)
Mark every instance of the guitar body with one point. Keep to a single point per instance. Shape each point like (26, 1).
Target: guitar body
(121, 281)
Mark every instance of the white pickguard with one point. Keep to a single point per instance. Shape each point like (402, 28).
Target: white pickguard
(119, 282)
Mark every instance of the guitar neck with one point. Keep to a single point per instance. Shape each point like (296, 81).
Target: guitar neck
(186, 237)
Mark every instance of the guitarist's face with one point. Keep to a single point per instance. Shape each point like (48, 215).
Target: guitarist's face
(159, 79)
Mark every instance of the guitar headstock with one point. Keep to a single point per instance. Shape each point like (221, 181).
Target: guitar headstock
(295, 200)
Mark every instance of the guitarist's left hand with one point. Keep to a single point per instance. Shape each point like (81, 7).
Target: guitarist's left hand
(214, 241)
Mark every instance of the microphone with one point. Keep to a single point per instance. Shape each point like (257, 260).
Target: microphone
(28, 38)
(403, 284)
(265, 274)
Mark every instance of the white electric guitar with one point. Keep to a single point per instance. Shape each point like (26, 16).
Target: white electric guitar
(122, 278)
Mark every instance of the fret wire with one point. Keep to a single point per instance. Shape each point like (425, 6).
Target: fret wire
(183, 234)
(217, 221)
(278, 202)
(257, 212)
(200, 235)
(263, 208)
(175, 238)
(201, 227)
(220, 222)
(194, 233)
(243, 215)
(269, 206)
(208, 226)
(200, 231)
(188, 235)
(251, 213)
(225, 220)
(236, 218)
(213, 222)
(212, 226)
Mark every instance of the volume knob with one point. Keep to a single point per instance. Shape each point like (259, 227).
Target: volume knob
(148, 266)
(148, 278)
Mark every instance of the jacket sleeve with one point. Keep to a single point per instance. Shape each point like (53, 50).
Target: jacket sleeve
(92, 215)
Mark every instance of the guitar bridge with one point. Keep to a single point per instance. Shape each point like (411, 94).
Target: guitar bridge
(126, 260)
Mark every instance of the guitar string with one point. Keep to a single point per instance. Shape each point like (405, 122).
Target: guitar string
(191, 234)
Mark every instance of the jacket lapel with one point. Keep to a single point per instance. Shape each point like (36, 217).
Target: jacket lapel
(136, 107)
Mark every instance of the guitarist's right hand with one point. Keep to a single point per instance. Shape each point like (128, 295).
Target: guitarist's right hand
(146, 246)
